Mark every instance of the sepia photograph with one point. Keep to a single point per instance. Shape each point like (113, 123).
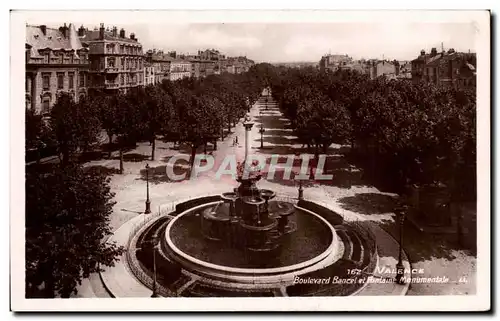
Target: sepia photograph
(172, 159)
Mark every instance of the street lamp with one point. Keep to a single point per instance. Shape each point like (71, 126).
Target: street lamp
(261, 131)
(148, 202)
(301, 190)
(400, 213)
(155, 293)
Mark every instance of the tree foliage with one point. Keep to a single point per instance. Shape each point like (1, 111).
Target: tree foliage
(67, 216)
(408, 133)
(74, 126)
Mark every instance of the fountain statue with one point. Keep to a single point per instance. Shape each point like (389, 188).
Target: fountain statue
(244, 218)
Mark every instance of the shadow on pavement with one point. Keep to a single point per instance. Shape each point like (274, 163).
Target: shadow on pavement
(159, 175)
(422, 246)
(369, 203)
(134, 157)
(101, 170)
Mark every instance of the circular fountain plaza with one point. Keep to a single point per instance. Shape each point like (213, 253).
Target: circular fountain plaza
(250, 242)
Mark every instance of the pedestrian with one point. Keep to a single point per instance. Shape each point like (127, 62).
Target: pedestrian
(236, 140)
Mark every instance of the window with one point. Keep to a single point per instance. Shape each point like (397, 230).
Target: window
(82, 80)
(71, 80)
(123, 63)
(121, 48)
(46, 105)
(111, 62)
(46, 81)
(61, 58)
(60, 80)
(122, 79)
(46, 58)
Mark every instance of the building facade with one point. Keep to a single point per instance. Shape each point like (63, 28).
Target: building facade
(332, 63)
(116, 62)
(448, 68)
(149, 74)
(161, 64)
(180, 68)
(237, 65)
(384, 68)
(56, 61)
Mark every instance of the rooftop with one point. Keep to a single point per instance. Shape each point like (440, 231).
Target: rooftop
(64, 38)
(93, 35)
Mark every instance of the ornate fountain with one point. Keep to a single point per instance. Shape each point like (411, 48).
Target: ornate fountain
(244, 217)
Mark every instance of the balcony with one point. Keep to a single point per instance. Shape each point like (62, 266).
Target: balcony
(111, 85)
(112, 70)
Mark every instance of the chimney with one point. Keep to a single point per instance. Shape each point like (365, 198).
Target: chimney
(433, 52)
(81, 31)
(101, 32)
(64, 30)
(422, 52)
(44, 29)
(132, 36)
(122, 33)
(115, 32)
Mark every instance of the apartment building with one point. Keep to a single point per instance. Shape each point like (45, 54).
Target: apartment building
(149, 74)
(56, 61)
(238, 65)
(180, 68)
(384, 68)
(332, 63)
(116, 61)
(448, 68)
(161, 63)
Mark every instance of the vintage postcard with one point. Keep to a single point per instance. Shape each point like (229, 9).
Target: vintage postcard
(250, 161)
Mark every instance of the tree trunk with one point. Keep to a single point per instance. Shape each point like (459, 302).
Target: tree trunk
(65, 157)
(121, 160)
(205, 148)
(325, 148)
(110, 137)
(153, 146)
(316, 151)
(215, 144)
(38, 156)
(193, 155)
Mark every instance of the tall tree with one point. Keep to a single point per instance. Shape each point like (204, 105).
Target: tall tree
(67, 219)
(75, 125)
(38, 134)
(155, 112)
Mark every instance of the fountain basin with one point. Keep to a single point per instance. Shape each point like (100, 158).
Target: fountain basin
(313, 247)
(267, 194)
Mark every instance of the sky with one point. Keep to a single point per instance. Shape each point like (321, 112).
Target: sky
(293, 42)
(308, 42)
